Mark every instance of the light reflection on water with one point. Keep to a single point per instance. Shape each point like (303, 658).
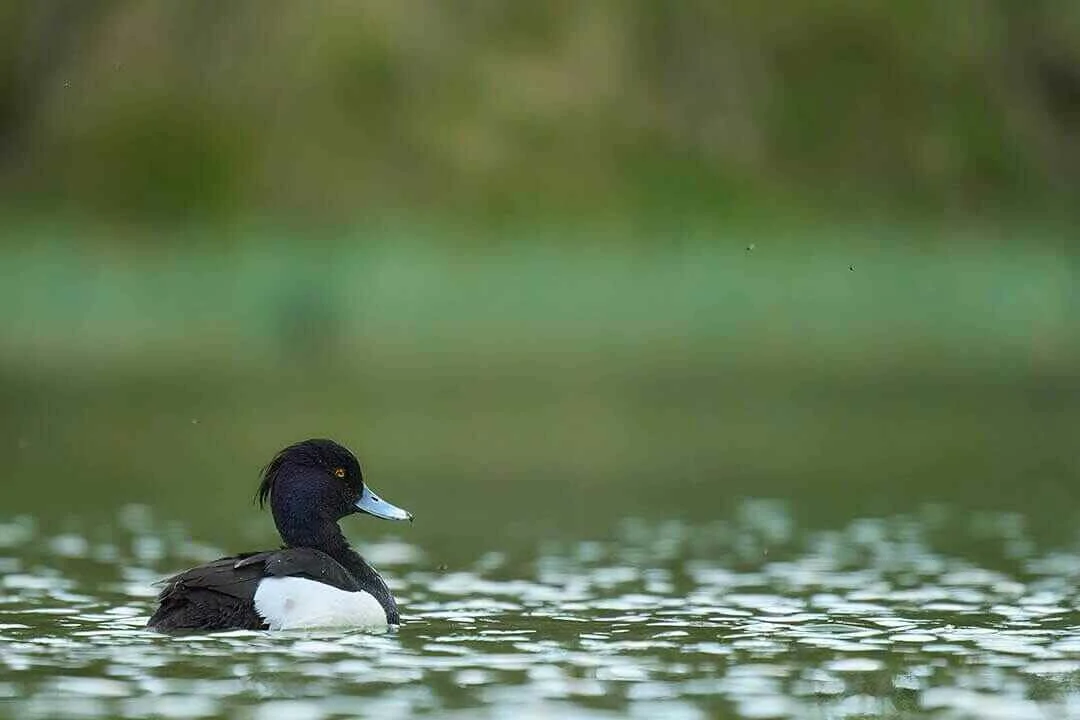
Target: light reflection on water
(748, 617)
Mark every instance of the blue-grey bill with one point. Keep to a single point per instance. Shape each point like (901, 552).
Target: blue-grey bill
(372, 504)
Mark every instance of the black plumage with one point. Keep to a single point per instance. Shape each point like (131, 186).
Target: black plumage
(310, 486)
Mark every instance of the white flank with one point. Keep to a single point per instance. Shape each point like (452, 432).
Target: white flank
(291, 603)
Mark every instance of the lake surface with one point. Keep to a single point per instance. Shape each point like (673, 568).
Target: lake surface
(937, 612)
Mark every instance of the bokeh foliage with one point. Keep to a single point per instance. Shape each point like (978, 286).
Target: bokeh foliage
(206, 110)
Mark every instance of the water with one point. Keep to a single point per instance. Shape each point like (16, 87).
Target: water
(937, 612)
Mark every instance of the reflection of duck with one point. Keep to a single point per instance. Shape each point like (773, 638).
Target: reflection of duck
(316, 580)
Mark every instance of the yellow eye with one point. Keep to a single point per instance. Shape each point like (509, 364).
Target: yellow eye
(339, 472)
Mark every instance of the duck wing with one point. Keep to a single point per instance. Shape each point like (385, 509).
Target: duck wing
(220, 595)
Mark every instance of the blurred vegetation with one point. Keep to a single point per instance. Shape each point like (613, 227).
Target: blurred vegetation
(323, 111)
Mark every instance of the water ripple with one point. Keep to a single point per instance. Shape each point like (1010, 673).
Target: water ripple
(749, 617)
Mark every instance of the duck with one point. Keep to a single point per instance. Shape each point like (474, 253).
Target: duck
(315, 580)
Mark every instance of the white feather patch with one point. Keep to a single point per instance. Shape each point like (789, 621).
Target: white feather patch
(291, 603)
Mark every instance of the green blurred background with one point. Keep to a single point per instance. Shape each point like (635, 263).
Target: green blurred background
(541, 265)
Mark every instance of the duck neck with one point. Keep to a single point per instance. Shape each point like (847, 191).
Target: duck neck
(326, 536)
(339, 548)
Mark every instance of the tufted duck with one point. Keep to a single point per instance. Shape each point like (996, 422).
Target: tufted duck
(315, 580)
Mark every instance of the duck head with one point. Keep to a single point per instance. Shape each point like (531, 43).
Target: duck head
(311, 485)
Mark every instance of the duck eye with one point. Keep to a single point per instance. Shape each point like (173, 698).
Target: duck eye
(339, 472)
